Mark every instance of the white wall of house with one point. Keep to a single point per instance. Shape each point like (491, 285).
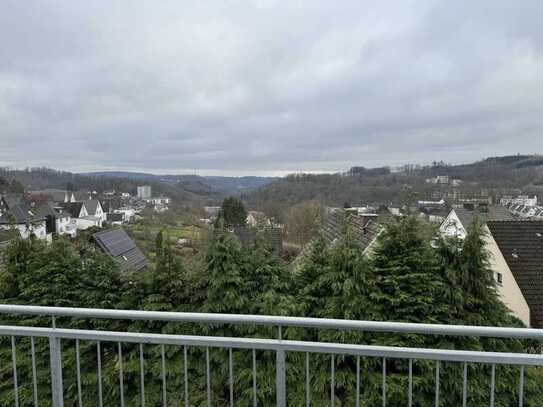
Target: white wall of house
(128, 213)
(508, 289)
(452, 227)
(100, 212)
(66, 226)
(88, 222)
(37, 228)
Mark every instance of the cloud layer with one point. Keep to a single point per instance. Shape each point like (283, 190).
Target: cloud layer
(267, 87)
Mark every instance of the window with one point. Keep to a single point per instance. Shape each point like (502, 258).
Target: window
(499, 278)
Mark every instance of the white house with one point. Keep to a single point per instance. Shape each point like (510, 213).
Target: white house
(458, 221)
(128, 213)
(80, 216)
(519, 200)
(516, 259)
(21, 218)
(57, 222)
(94, 208)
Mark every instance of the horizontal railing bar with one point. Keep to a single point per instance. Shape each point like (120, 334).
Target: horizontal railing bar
(320, 323)
(277, 345)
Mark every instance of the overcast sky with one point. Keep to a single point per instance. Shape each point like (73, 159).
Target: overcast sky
(267, 87)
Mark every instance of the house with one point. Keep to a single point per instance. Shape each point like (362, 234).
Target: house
(81, 196)
(516, 259)
(459, 219)
(56, 222)
(519, 200)
(363, 230)
(75, 209)
(115, 218)
(94, 208)
(144, 192)
(256, 219)
(20, 217)
(117, 244)
(80, 215)
(127, 213)
(9, 200)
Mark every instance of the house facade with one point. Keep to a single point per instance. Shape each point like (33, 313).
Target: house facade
(516, 259)
(459, 219)
(21, 218)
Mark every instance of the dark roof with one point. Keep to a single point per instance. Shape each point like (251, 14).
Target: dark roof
(45, 210)
(119, 245)
(73, 208)
(363, 230)
(12, 200)
(521, 244)
(493, 213)
(91, 205)
(57, 195)
(21, 214)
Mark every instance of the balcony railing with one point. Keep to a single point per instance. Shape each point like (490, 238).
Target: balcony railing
(280, 346)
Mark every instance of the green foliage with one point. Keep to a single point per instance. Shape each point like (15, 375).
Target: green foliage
(408, 277)
(233, 212)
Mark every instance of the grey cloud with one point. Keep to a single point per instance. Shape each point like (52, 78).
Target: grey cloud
(267, 86)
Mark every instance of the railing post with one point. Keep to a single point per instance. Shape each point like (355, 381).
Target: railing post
(56, 372)
(280, 381)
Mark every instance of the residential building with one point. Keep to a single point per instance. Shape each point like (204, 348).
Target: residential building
(80, 215)
(56, 222)
(516, 259)
(519, 200)
(127, 213)
(459, 219)
(117, 244)
(94, 208)
(257, 219)
(364, 232)
(9, 200)
(20, 217)
(115, 219)
(144, 192)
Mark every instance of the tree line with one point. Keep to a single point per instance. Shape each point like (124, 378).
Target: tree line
(410, 276)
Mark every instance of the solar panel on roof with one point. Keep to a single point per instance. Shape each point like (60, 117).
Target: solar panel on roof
(119, 245)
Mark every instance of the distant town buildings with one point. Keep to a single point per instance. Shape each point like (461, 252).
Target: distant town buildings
(144, 192)
(519, 200)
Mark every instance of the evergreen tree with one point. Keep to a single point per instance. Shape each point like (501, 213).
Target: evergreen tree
(233, 212)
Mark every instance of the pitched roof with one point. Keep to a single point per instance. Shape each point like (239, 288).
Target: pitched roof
(521, 244)
(92, 205)
(21, 214)
(73, 208)
(12, 200)
(57, 195)
(494, 213)
(45, 210)
(117, 244)
(363, 231)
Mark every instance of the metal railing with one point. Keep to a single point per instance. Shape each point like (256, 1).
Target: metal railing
(279, 346)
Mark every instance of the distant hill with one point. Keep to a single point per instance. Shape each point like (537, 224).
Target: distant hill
(381, 185)
(224, 185)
